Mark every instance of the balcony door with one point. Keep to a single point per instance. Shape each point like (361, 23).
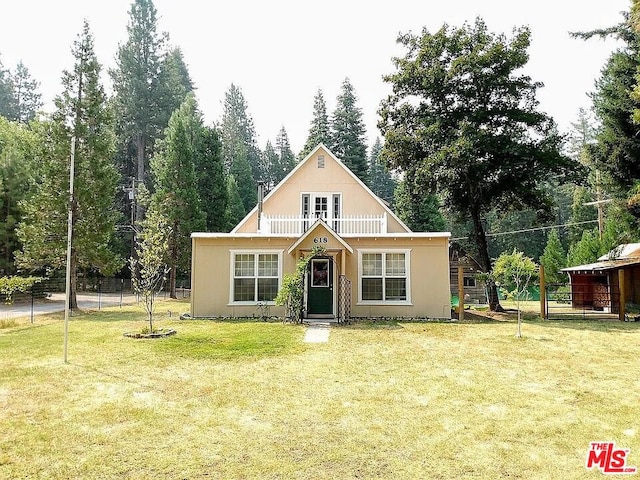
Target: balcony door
(326, 206)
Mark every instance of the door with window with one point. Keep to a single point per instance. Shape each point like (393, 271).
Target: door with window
(320, 286)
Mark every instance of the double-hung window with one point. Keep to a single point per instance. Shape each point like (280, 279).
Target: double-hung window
(256, 276)
(384, 276)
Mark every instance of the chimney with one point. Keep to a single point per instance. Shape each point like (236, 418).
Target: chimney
(260, 197)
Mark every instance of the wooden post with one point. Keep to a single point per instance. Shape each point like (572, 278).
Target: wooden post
(543, 294)
(621, 287)
(460, 289)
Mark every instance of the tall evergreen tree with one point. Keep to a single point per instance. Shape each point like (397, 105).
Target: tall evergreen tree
(580, 213)
(348, 140)
(174, 84)
(286, 158)
(617, 152)
(271, 165)
(81, 113)
(138, 92)
(380, 180)
(586, 251)
(18, 147)
(7, 106)
(235, 209)
(554, 259)
(239, 146)
(319, 130)
(420, 212)
(27, 99)
(211, 178)
(175, 196)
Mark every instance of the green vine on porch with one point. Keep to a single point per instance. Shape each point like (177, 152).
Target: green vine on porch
(291, 293)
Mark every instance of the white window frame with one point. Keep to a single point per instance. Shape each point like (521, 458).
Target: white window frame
(407, 271)
(331, 213)
(232, 260)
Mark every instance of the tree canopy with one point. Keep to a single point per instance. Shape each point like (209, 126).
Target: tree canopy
(81, 113)
(463, 119)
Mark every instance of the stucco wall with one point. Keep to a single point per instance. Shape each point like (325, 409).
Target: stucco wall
(429, 270)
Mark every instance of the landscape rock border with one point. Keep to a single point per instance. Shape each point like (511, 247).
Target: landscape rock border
(157, 334)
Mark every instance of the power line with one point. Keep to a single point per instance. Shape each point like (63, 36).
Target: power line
(531, 229)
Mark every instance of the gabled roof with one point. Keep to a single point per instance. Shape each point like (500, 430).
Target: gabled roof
(316, 225)
(299, 166)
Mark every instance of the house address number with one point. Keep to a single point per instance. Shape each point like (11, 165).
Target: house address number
(320, 240)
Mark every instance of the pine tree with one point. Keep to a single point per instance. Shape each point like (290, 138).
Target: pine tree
(81, 113)
(174, 84)
(554, 259)
(27, 100)
(7, 106)
(138, 94)
(235, 210)
(582, 133)
(286, 158)
(175, 196)
(580, 213)
(212, 181)
(271, 165)
(586, 251)
(239, 146)
(421, 213)
(380, 180)
(348, 140)
(319, 130)
(18, 147)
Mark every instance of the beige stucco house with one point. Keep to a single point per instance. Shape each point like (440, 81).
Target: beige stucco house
(373, 265)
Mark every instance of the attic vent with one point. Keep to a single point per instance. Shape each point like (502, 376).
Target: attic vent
(320, 161)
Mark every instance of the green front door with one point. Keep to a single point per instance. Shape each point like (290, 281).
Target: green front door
(320, 286)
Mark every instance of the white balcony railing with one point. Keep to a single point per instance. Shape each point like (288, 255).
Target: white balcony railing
(297, 225)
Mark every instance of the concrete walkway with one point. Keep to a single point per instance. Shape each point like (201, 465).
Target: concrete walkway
(317, 332)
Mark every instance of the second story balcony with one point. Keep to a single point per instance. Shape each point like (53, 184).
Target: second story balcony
(344, 225)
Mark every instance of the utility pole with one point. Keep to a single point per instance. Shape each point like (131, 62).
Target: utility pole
(598, 204)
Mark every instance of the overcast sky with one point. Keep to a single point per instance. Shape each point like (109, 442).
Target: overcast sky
(279, 52)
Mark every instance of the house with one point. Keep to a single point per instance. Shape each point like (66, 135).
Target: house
(373, 265)
(474, 291)
(597, 285)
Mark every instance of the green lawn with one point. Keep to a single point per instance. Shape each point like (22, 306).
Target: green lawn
(244, 400)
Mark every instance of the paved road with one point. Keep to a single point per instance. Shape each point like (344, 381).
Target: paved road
(55, 303)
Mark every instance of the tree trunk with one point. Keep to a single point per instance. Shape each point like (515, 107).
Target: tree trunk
(484, 260)
(173, 256)
(172, 282)
(140, 147)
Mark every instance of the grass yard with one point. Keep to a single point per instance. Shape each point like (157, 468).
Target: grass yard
(244, 400)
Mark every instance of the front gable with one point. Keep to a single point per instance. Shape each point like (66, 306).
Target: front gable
(321, 182)
(320, 235)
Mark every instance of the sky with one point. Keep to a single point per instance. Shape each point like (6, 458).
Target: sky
(280, 52)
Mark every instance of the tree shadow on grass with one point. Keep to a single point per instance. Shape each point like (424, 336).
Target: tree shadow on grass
(122, 378)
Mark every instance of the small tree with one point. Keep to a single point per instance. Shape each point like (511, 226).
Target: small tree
(9, 286)
(514, 271)
(149, 270)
